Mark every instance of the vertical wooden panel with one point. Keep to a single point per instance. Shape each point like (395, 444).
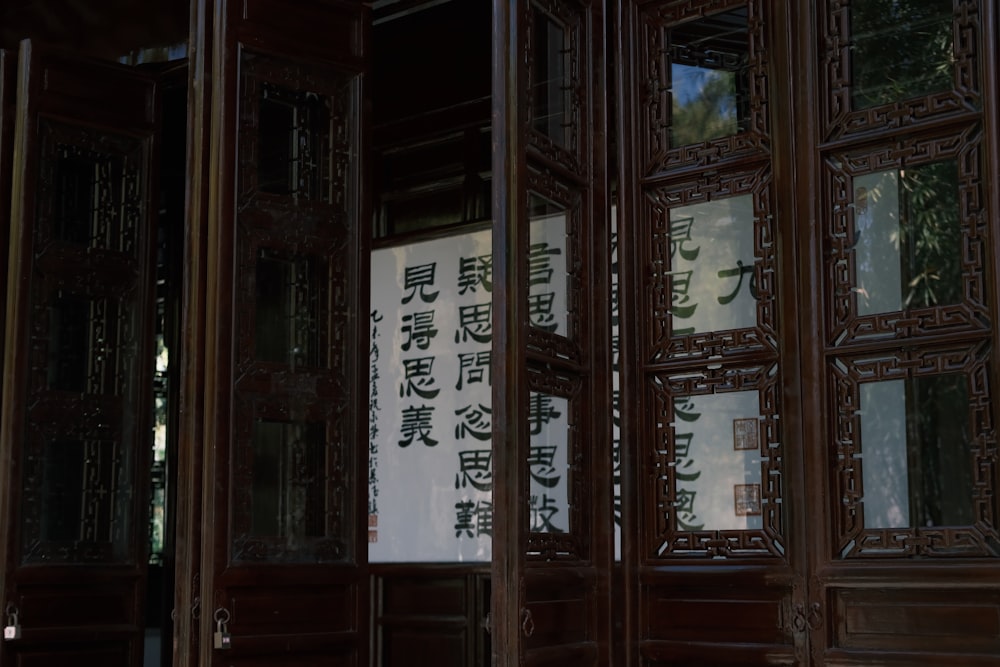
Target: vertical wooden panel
(78, 357)
(267, 563)
(551, 592)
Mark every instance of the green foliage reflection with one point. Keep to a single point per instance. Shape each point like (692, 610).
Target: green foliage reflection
(901, 49)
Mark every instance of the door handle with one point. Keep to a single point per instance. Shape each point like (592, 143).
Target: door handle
(527, 622)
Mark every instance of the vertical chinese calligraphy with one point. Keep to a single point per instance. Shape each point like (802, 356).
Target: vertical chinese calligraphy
(431, 407)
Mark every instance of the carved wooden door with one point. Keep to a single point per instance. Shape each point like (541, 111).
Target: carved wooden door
(714, 571)
(552, 548)
(78, 362)
(283, 575)
(809, 459)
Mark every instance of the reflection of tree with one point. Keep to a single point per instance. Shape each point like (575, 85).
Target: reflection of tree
(903, 49)
(908, 238)
(938, 451)
(900, 49)
(931, 235)
(708, 114)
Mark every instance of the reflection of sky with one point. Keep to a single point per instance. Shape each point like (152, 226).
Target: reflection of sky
(722, 233)
(688, 81)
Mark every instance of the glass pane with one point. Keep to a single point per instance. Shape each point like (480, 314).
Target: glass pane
(551, 85)
(76, 184)
(548, 461)
(917, 459)
(901, 49)
(82, 502)
(717, 461)
(430, 464)
(709, 86)
(295, 146)
(96, 198)
(289, 480)
(908, 238)
(547, 278)
(713, 286)
(69, 343)
(289, 325)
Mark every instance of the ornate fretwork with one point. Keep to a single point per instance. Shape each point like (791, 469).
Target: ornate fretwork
(77, 489)
(547, 186)
(661, 345)
(668, 536)
(658, 20)
(970, 312)
(310, 497)
(841, 119)
(91, 196)
(574, 543)
(295, 142)
(82, 430)
(294, 266)
(568, 17)
(858, 540)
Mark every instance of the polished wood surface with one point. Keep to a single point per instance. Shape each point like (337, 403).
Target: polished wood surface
(303, 604)
(440, 108)
(79, 589)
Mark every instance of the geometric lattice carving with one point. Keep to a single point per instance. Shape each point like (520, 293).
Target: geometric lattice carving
(668, 533)
(574, 542)
(87, 314)
(556, 127)
(855, 539)
(661, 245)
(841, 119)
(657, 20)
(544, 184)
(970, 313)
(293, 373)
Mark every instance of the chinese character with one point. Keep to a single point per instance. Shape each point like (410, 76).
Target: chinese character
(741, 271)
(540, 466)
(464, 512)
(471, 368)
(474, 422)
(540, 311)
(680, 283)
(416, 279)
(475, 467)
(540, 412)
(542, 514)
(417, 424)
(680, 233)
(475, 271)
(474, 322)
(418, 378)
(539, 263)
(418, 329)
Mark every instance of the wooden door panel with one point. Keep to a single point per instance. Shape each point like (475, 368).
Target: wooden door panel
(284, 559)
(907, 560)
(711, 463)
(552, 402)
(79, 360)
(439, 613)
(917, 621)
